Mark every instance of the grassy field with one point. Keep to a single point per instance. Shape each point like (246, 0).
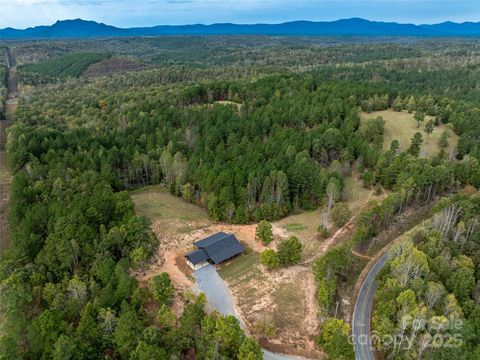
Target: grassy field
(156, 203)
(402, 126)
(226, 102)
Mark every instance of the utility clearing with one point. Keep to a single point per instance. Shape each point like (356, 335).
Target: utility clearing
(5, 177)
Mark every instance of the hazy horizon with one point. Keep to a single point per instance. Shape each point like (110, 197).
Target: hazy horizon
(122, 13)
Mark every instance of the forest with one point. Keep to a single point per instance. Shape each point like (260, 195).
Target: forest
(252, 129)
(71, 65)
(428, 292)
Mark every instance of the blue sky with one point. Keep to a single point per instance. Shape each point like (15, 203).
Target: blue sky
(128, 13)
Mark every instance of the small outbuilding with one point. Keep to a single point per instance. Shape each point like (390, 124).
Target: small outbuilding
(213, 250)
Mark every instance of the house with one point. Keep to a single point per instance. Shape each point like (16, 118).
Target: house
(213, 250)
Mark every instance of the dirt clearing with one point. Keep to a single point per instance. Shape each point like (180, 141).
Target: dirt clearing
(286, 298)
(177, 225)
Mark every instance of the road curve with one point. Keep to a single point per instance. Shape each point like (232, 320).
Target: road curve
(363, 313)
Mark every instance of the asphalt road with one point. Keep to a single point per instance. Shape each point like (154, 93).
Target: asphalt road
(219, 298)
(363, 313)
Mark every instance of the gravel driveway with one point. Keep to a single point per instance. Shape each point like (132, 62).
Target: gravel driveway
(219, 298)
(218, 295)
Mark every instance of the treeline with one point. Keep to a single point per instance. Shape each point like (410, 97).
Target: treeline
(455, 82)
(71, 65)
(427, 300)
(335, 265)
(415, 182)
(297, 53)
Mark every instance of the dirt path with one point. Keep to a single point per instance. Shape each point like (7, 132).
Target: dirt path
(5, 177)
(327, 244)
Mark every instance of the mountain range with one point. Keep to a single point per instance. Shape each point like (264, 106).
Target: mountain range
(79, 28)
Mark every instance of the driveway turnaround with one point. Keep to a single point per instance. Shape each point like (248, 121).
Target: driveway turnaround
(219, 298)
(363, 313)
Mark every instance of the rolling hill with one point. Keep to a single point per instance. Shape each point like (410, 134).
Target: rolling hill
(79, 28)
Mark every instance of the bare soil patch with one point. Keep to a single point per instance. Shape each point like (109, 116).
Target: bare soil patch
(304, 225)
(177, 225)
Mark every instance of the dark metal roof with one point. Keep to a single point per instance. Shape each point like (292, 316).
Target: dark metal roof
(197, 256)
(220, 246)
(211, 239)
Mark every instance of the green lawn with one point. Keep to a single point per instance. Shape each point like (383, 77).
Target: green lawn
(295, 227)
(237, 268)
(402, 126)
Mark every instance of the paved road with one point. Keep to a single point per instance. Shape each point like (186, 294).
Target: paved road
(363, 313)
(219, 298)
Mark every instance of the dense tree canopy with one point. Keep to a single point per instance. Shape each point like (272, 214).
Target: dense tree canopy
(428, 285)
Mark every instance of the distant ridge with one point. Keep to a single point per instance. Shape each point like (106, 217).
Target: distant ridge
(79, 28)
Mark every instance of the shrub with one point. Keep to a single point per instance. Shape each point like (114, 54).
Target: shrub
(323, 231)
(367, 178)
(166, 317)
(341, 214)
(263, 232)
(290, 251)
(372, 128)
(250, 350)
(334, 340)
(265, 328)
(269, 259)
